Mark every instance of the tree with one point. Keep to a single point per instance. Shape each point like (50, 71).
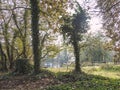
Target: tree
(95, 49)
(22, 30)
(73, 28)
(35, 28)
(111, 21)
(35, 34)
(14, 30)
(17, 36)
(6, 37)
(3, 59)
(51, 13)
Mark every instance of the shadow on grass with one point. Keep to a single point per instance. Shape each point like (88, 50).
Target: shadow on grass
(63, 81)
(83, 81)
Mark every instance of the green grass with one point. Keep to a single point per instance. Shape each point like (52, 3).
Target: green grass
(86, 82)
(85, 85)
(104, 70)
(62, 69)
(105, 77)
(112, 68)
(95, 78)
(109, 71)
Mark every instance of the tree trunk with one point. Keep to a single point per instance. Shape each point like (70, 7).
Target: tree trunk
(3, 59)
(76, 54)
(25, 34)
(24, 55)
(35, 34)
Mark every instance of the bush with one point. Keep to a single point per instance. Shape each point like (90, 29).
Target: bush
(22, 66)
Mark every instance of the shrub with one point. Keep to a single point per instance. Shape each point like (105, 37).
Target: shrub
(22, 66)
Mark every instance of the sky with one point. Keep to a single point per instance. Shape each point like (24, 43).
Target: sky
(96, 19)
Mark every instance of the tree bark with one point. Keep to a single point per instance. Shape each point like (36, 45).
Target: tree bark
(35, 34)
(76, 54)
(3, 59)
(9, 51)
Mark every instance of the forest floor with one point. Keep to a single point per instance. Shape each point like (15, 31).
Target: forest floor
(63, 80)
(27, 82)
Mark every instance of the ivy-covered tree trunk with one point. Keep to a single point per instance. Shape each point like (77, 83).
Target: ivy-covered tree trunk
(35, 34)
(76, 54)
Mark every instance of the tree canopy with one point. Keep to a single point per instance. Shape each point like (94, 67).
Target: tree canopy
(111, 21)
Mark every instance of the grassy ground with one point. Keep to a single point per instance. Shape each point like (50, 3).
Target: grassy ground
(108, 71)
(105, 71)
(104, 77)
(86, 82)
(62, 69)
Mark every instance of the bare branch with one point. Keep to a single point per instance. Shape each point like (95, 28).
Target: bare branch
(15, 21)
(45, 54)
(112, 6)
